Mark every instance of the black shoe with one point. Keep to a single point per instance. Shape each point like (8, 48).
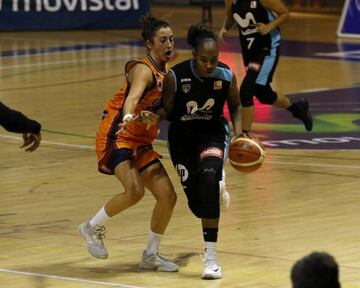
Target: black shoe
(300, 110)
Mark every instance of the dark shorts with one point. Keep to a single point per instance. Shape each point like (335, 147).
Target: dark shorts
(143, 156)
(264, 64)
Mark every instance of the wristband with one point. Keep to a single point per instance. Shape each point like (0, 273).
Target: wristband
(128, 117)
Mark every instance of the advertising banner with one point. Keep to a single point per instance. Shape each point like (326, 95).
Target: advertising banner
(349, 25)
(70, 14)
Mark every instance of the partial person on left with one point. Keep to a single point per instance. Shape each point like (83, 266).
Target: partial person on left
(15, 121)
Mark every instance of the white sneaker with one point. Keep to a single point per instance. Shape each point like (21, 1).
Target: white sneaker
(157, 262)
(212, 269)
(224, 196)
(94, 236)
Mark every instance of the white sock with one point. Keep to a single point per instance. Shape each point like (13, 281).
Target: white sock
(210, 250)
(153, 244)
(100, 218)
(210, 246)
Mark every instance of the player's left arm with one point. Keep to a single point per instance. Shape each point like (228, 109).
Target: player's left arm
(280, 10)
(233, 102)
(168, 97)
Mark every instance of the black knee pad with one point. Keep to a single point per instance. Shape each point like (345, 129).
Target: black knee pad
(247, 89)
(195, 208)
(209, 177)
(265, 94)
(192, 194)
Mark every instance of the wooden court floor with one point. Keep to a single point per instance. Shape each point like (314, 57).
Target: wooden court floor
(299, 201)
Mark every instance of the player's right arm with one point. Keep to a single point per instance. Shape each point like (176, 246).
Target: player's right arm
(228, 21)
(140, 77)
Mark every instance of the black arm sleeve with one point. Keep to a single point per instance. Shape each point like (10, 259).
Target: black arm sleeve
(15, 121)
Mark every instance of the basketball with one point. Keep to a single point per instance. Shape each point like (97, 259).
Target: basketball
(246, 154)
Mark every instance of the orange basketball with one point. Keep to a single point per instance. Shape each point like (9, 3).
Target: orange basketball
(246, 154)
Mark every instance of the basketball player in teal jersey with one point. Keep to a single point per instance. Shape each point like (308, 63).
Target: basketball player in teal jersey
(258, 22)
(194, 95)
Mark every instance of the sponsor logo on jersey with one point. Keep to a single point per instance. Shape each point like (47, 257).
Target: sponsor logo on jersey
(186, 88)
(192, 106)
(247, 24)
(185, 80)
(253, 4)
(218, 85)
(254, 66)
(182, 172)
(212, 151)
(196, 113)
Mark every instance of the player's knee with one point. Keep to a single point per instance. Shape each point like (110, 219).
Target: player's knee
(167, 198)
(191, 192)
(135, 193)
(171, 198)
(265, 94)
(211, 174)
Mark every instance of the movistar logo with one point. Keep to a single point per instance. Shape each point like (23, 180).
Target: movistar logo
(247, 24)
(69, 5)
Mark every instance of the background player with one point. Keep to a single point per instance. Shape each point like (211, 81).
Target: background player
(258, 22)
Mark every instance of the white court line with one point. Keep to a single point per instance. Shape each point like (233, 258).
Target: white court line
(68, 278)
(168, 156)
(53, 143)
(87, 60)
(314, 165)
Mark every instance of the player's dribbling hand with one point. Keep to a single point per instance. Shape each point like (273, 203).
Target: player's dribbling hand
(149, 118)
(126, 120)
(31, 139)
(248, 135)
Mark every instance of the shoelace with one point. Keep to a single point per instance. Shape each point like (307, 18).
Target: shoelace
(99, 231)
(162, 257)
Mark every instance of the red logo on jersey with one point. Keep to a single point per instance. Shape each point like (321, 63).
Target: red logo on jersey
(254, 66)
(211, 151)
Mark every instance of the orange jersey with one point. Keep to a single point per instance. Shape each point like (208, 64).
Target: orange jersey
(136, 133)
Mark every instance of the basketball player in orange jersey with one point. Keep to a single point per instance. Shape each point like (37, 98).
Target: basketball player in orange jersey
(129, 155)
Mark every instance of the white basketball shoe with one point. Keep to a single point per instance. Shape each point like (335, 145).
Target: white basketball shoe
(157, 262)
(93, 236)
(212, 269)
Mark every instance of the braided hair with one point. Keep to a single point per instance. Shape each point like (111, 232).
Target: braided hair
(198, 34)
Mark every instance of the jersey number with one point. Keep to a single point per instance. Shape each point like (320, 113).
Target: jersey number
(251, 40)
